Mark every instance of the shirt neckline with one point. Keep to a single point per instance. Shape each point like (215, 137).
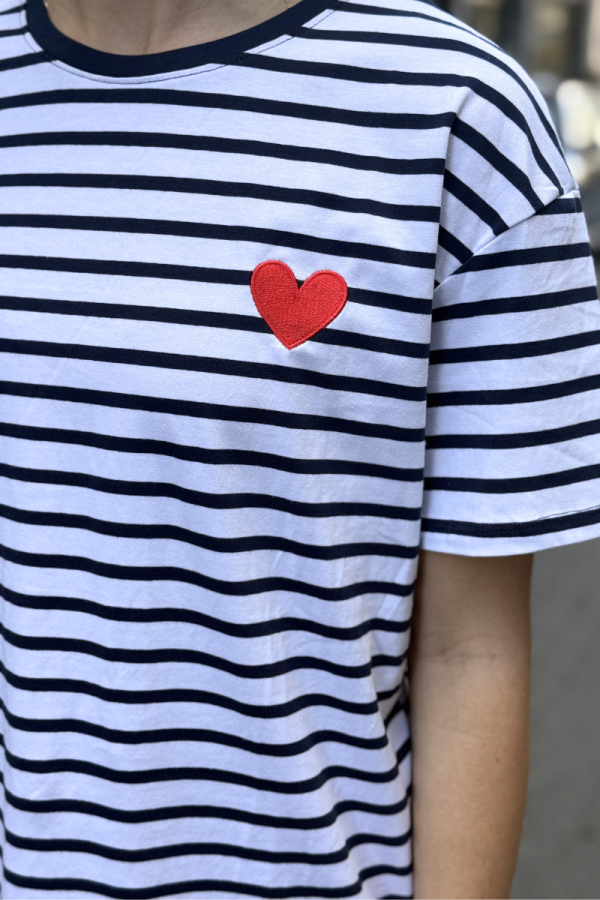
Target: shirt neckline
(96, 62)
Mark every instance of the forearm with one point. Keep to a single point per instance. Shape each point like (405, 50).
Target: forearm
(470, 722)
(471, 736)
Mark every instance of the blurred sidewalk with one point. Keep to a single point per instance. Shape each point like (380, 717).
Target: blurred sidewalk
(560, 853)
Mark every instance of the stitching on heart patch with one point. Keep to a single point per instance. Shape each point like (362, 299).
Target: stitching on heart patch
(294, 314)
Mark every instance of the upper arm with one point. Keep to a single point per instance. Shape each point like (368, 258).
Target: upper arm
(471, 605)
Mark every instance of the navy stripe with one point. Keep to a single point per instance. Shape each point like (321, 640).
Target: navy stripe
(498, 160)
(517, 350)
(125, 268)
(210, 144)
(381, 299)
(197, 318)
(143, 574)
(525, 256)
(220, 366)
(13, 32)
(367, 9)
(417, 305)
(129, 656)
(236, 189)
(503, 305)
(191, 811)
(236, 233)
(241, 630)
(21, 62)
(516, 395)
(233, 102)
(562, 206)
(451, 243)
(515, 485)
(548, 525)
(209, 885)
(172, 851)
(197, 735)
(361, 341)
(223, 776)
(203, 697)
(514, 441)
(474, 202)
(205, 319)
(155, 532)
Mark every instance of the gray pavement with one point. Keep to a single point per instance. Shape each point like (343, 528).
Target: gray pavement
(560, 852)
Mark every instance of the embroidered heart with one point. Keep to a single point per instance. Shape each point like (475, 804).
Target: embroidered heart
(294, 315)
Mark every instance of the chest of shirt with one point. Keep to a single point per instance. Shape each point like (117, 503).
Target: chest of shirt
(134, 218)
(193, 237)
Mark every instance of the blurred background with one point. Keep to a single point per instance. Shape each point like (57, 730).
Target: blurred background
(558, 43)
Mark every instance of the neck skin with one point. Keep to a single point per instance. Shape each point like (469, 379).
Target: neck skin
(138, 27)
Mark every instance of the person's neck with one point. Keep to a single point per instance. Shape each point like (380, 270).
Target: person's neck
(138, 27)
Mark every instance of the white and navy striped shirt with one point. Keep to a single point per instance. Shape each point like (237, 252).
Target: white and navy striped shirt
(209, 541)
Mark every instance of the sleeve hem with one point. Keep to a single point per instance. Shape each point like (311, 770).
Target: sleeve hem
(478, 539)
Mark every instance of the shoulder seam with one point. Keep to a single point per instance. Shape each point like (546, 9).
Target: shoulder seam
(574, 191)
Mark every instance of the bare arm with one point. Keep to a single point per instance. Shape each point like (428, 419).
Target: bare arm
(470, 668)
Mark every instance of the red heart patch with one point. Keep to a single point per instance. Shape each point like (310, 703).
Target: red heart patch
(295, 315)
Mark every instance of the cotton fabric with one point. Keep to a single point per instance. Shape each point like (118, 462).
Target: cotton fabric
(209, 542)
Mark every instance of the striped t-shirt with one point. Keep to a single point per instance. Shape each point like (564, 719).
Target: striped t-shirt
(277, 311)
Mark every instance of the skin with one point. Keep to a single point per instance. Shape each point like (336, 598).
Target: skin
(470, 676)
(138, 27)
(470, 653)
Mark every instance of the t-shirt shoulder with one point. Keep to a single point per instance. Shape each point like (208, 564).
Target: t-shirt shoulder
(503, 154)
(13, 46)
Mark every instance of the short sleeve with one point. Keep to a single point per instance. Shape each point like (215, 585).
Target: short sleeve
(513, 419)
